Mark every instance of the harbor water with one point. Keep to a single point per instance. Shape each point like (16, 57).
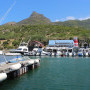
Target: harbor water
(54, 73)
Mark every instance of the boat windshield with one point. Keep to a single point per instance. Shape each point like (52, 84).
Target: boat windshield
(23, 44)
(19, 49)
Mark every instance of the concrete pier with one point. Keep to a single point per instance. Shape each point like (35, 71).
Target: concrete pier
(19, 68)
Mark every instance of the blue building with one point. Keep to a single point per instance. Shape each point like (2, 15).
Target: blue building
(55, 45)
(61, 43)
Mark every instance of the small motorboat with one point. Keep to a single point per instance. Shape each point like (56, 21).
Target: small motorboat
(80, 53)
(70, 53)
(86, 54)
(59, 53)
(66, 54)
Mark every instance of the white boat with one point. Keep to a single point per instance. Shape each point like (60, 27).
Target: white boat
(3, 76)
(1, 52)
(59, 53)
(53, 54)
(23, 48)
(12, 54)
(66, 53)
(74, 54)
(70, 53)
(15, 66)
(44, 53)
(86, 54)
(37, 54)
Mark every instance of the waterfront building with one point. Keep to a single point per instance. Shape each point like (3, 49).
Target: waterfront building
(63, 45)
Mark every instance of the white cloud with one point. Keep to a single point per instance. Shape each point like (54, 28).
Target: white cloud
(72, 18)
(57, 20)
(65, 19)
(85, 18)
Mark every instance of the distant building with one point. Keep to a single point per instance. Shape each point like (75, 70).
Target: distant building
(60, 45)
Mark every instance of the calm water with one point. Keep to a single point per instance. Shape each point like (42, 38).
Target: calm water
(55, 73)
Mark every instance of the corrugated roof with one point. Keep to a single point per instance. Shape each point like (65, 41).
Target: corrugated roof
(54, 42)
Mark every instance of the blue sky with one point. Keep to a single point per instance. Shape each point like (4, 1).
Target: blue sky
(55, 10)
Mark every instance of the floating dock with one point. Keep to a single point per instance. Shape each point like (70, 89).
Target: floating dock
(16, 69)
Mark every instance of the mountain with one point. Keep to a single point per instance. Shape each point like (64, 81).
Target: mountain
(75, 23)
(35, 19)
(38, 19)
(10, 23)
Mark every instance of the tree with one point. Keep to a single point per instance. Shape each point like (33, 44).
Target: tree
(16, 43)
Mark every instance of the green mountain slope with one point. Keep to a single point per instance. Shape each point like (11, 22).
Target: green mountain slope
(35, 19)
(75, 23)
(37, 27)
(41, 33)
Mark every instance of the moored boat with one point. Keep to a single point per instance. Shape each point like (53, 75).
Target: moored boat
(70, 53)
(1, 52)
(58, 53)
(80, 53)
(12, 54)
(23, 48)
(66, 54)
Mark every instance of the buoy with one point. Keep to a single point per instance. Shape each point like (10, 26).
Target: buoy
(3, 76)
